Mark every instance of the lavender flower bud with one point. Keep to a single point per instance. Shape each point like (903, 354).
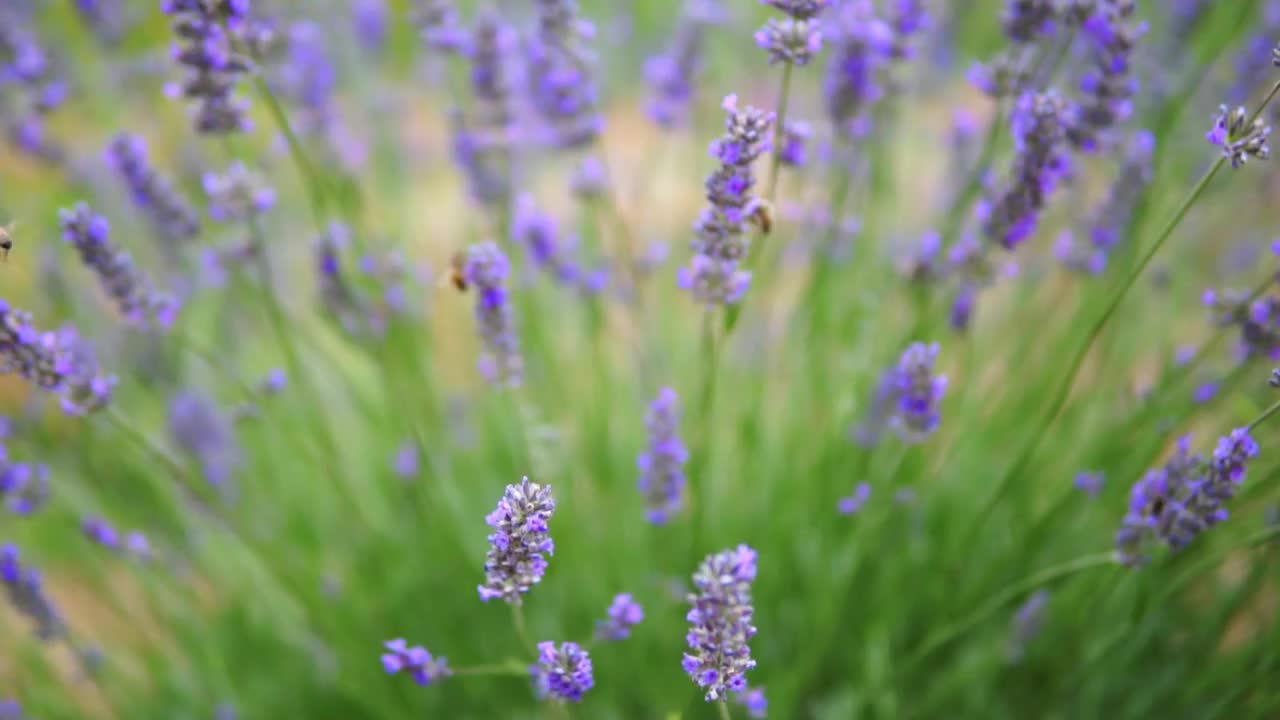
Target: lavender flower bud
(238, 194)
(23, 487)
(200, 430)
(421, 666)
(719, 656)
(10, 710)
(754, 700)
(852, 85)
(1175, 504)
(624, 614)
(170, 213)
(521, 537)
(790, 41)
(1090, 483)
(25, 590)
(671, 74)
(1240, 138)
(560, 62)
(488, 269)
(722, 243)
(662, 478)
(371, 22)
(1027, 624)
(539, 234)
(907, 19)
(1011, 216)
(563, 673)
(142, 306)
(407, 463)
(796, 135)
(214, 68)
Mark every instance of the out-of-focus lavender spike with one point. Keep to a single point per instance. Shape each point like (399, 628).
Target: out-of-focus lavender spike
(926, 265)
(488, 271)
(1112, 218)
(537, 232)
(624, 613)
(1011, 214)
(307, 78)
(371, 20)
(559, 70)
(714, 276)
(238, 194)
(852, 87)
(754, 700)
(416, 661)
(170, 214)
(1175, 504)
(1239, 137)
(1258, 321)
(796, 136)
(440, 25)
(1026, 625)
(1026, 23)
(337, 295)
(907, 18)
(24, 487)
(590, 179)
(1090, 483)
(24, 588)
(106, 18)
(202, 431)
(1255, 53)
(854, 503)
(671, 75)
(34, 87)
(205, 49)
(1109, 86)
(142, 306)
(519, 543)
(662, 478)
(482, 139)
(907, 399)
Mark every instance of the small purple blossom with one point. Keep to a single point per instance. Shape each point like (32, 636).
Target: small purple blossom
(238, 194)
(10, 710)
(519, 541)
(142, 306)
(100, 532)
(563, 673)
(1027, 624)
(56, 362)
(662, 478)
(420, 664)
(1090, 483)
(719, 656)
(24, 487)
(407, 463)
(1011, 214)
(853, 504)
(907, 18)
(1239, 136)
(671, 74)
(790, 41)
(852, 86)
(754, 700)
(371, 19)
(624, 614)
(488, 270)
(24, 588)
(203, 432)
(796, 136)
(908, 398)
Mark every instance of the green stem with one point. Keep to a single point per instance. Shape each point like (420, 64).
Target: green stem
(723, 707)
(959, 209)
(130, 430)
(310, 180)
(1266, 415)
(1007, 595)
(779, 136)
(512, 667)
(522, 631)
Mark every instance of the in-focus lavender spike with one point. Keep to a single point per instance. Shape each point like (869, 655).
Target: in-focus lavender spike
(563, 672)
(520, 542)
(721, 620)
(1239, 137)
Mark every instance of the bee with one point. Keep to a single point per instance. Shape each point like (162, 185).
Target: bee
(762, 216)
(457, 271)
(6, 239)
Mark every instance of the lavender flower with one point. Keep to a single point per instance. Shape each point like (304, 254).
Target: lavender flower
(907, 18)
(1110, 86)
(33, 87)
(1175, 504)
(440, 25)
(24, 588)
(238, 194)
(23, 486)
(925, 265)
(754, 700)
(198, 428)
(205, 48)
(671, 74)
(1011, 215)
(1026, 21)
(796, 135)
(562, 89)
(338, 296)
(908, 398)
(521, 537)
(421, 666)
(10, 710)
(1259, 322)
(662, 478)
(54, 362)
(539, 234)
(713, 276)
(853, 504)
(481, 140)
(1090, 483)
(371, 21)
(100, 532)
(1111, 220)
(132, 292)
(624, 614)
(563, 673)
(170, 213)
(1026, 24)
(407, 462)
(719, 656)
(307, 77)
(488, 269)
(1239, 137)
(790, 41)
(1027, 624)
(852, 85)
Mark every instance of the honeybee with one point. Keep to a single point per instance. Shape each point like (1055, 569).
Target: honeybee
(762, 216)
(6, 239)
(457, 271)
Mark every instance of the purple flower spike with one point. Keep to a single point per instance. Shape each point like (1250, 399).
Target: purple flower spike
(1110, 85)
(560, 68)
(416, 661)
(170, 213)
(520, 539)
(58, 363)
(671, 75)
(487, 269)
(1172, 506)
(24, 588)
(719, 656)
(624, 614)
(205, 48)
(907, 399)
(852, 86)
(1090, 483)
(132, 292)
(662, 478)
(754, 700)
(853, 504)
(1011, 215)
(1240, 138)
(1027, 624)
(714, 277)
(563, 673)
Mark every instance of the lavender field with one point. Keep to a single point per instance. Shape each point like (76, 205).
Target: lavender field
(653, 359)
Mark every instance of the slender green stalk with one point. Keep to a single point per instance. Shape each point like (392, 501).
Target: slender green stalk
(779, 136)
(722, 707)
(958, 213)
(512, 667)
(1007, 595)
(522, 632)
(1266, 415)
(130, 430)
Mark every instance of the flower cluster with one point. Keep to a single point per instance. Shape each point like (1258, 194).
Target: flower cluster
(488, 270)
(200, 430)
(671, 74)
(537, 231)
(55, 362)
(1240, 136)
(24, 487)
(24, 587)
(1258, 321)
(141, 304)
(170, 213)
(1175, 504)
(662, 478)
(719, 656)
(714, 277)
(520, 539)
(1011, 214)
(100, 532)
(797, 38)
(206, 49)
(1026, 23)
(420, 664)
(481, 140)
(624, 614)
(1110, 86)
(32, 86)
(908, 398)
(562, 88)
(238, 194)
(1111, 220)
(562, 673)
(852, 86)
